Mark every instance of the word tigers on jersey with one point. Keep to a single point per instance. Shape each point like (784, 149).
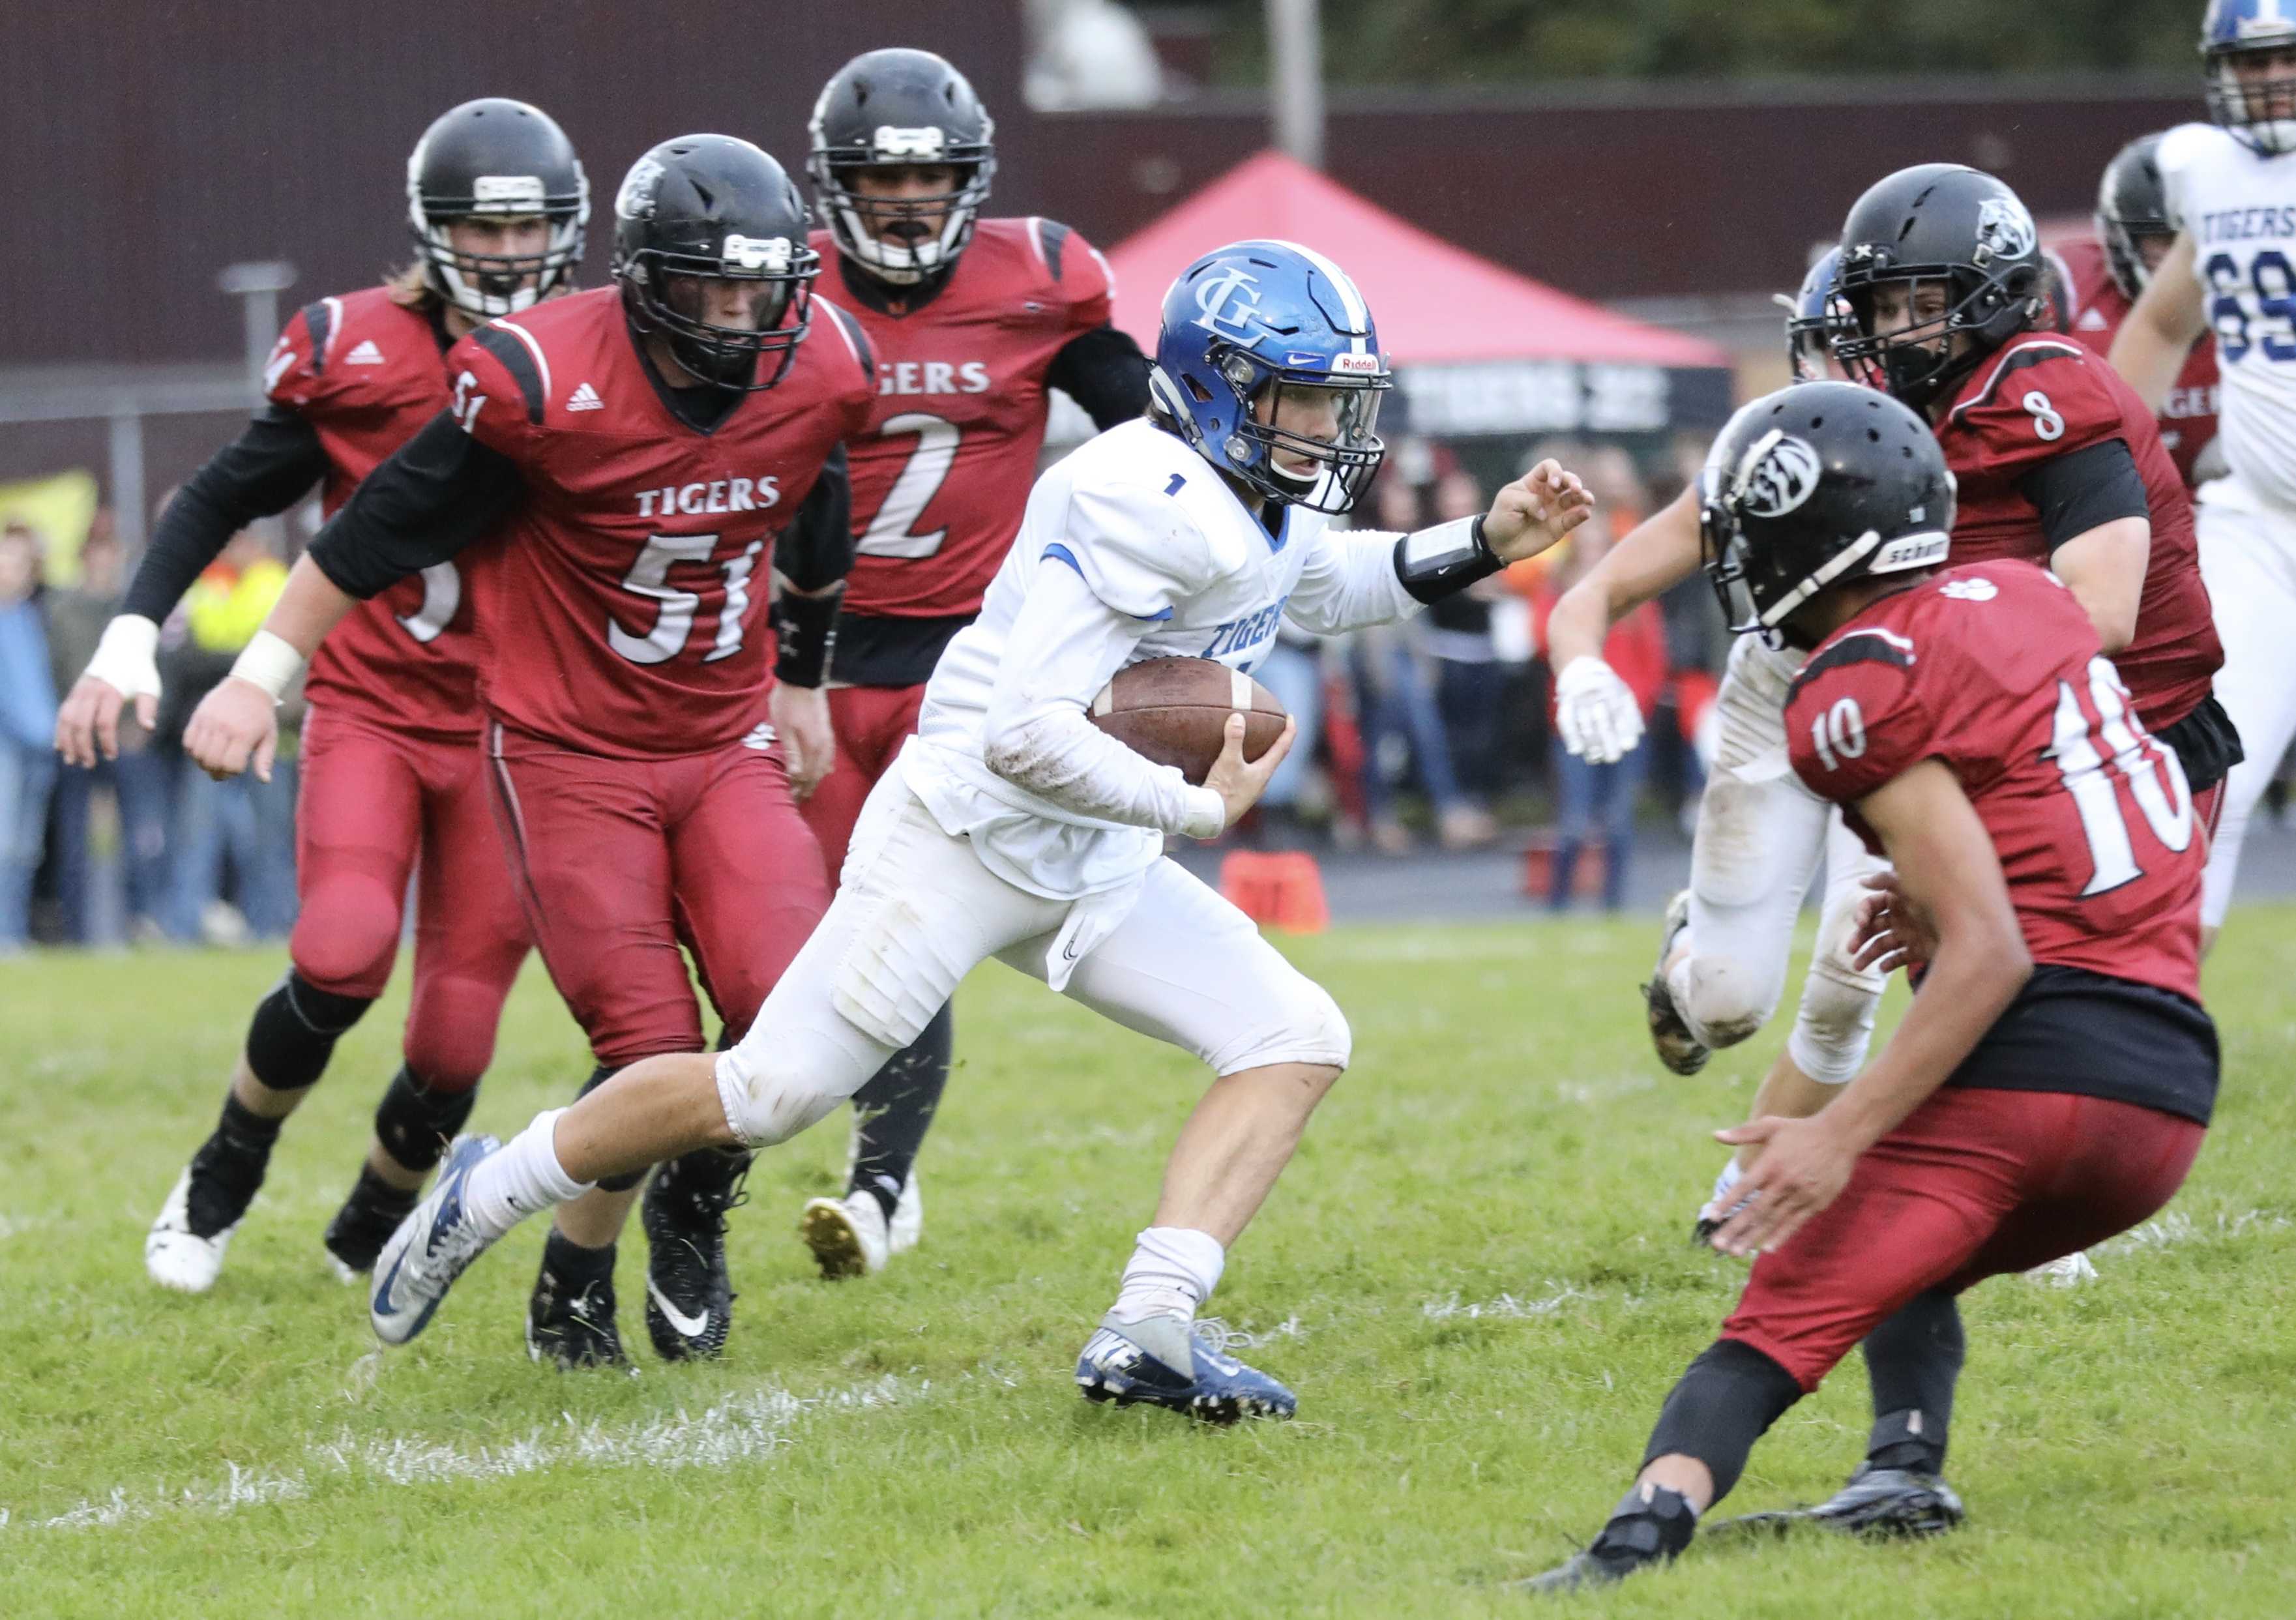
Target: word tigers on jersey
(719, 495)
(2246, 225)
(932, 377)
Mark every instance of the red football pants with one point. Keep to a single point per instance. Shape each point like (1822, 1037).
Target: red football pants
(1973, 1185)
(618, 862)
(375, 806)
(870, 724)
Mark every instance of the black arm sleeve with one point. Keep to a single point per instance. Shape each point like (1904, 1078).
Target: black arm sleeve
(2077, 492)
(439, 492)
(815, 551)
(1104, 372)
(264, 472)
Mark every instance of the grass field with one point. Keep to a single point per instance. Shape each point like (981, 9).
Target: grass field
(1474, 1274)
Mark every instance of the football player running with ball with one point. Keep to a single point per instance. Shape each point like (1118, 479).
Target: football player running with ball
(2054, 1075)
(2230, 188)
(1013, 828)
(973, 321)
(642, 459)
(393, 783)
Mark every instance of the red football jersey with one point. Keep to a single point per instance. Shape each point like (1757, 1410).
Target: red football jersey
(1995, 671)
(2042, 396)
(622, 609)
(2188, 420)
(367, 373)
(943, 473)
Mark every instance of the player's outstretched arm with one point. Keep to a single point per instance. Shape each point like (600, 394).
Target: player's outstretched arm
(1947, 870)
(236, 725)
(267, 469)
(2168, 319)
(1596, 713)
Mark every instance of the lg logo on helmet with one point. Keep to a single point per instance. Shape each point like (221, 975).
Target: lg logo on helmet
(1229, 303)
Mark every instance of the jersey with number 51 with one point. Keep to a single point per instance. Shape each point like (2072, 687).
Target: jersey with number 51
(941, 477)
(622, 609)
(1995, 671)
(2029, 406)
(367, 373)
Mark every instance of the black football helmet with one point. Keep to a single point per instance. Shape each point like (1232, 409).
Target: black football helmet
(1937, 223)
(1816, 316)
(888, 108)
(500, 158)
(1815, 485)
(2261, 115)
(711, 208)
(2131, 205)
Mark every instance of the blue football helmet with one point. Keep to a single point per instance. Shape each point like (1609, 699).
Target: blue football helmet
(1816, 316)
(1242, 326)
(2262, 114)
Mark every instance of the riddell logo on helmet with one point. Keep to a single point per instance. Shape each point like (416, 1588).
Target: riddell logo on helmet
(770, 254)
(1354, 364)
(918, 145)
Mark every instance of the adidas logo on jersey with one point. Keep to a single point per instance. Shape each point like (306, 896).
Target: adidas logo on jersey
(2092, 320)
(584, 398)
(365, 353)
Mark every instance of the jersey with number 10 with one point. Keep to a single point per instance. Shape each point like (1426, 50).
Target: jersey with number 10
(2042, 396)
(2239, 207)
(367, 373)
(942, 476)
(622, 609)
(1995, 671)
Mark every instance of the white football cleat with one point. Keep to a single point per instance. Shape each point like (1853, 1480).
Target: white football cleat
(2069, 1273)
(174, 1255)
(850, 1237)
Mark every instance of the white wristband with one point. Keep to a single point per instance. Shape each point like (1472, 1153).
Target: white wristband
(125, 656)
(271, 662)
(1207, 814)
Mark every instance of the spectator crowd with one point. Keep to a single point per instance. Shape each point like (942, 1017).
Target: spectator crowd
(1433, 734)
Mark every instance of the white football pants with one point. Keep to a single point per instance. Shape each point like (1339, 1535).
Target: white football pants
(916, 911)
(2248, 560)
(1760, 834)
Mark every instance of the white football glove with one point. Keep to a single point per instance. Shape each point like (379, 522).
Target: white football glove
(1597, 712)
(125, 660)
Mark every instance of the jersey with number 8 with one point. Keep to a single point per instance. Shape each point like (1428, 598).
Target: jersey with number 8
(2043, 397)
(1994, 670)
(623, 609)
(942, 477)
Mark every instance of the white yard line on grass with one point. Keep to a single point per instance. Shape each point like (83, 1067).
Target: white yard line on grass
(1505, 1305)
(2176, 1229)
(742, 1428)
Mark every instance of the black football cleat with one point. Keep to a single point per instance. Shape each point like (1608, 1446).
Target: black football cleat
(570, 1321)
(364, 1223)
(1880, 1504)
(1681, 1051)
(689, 1296)
(1640, 1533)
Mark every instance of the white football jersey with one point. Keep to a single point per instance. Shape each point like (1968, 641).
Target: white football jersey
(2240, 208)
(1161, 539)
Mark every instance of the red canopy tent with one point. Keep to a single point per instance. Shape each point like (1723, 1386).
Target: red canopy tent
(1478, 347)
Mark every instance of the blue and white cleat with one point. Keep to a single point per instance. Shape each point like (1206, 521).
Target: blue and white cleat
(1176, 1364)
(432, 1248)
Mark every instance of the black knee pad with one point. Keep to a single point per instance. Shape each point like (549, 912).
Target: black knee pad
(1725, 1400)
(414, 1123)
(294, 1031)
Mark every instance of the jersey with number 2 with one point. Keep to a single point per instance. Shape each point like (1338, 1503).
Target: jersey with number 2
(623, 610)
(1995, 671)
(2044, 396)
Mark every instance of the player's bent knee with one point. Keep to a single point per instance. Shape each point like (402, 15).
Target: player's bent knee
(1835, 1024)
(1305, 1026)
(346, 935)
(1727, 1000)
(774, 1089)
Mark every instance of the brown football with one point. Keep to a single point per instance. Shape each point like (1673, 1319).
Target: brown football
(1175, 711)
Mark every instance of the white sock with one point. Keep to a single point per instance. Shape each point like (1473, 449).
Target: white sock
(1173, 1270)
(520, 1180)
